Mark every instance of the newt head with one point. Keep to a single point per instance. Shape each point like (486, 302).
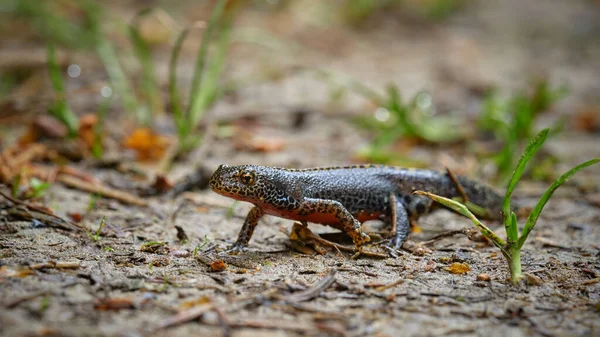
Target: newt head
(266, 187)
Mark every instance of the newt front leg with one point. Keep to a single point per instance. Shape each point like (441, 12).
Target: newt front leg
(348, 223)
(247, 229)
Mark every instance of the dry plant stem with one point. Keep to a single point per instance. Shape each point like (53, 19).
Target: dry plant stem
(104, 191)
(30, 212)
(185, 316)
(316, 290)
(464, 231)
(10, 165)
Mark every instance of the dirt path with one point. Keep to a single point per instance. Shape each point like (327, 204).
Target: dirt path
(72, 283)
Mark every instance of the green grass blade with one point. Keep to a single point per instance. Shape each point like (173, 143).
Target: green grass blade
(215, 65)
(109, 58)
(60, 109)
(173, 88)
(512, 231)
(194, 109)
(535, 213)
(97, 148)
(463, 210)
(149, 84)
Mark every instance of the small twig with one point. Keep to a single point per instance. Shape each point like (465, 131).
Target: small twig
(458, 185)
(102, 190)
(465, 231)
(12, 164)
(14, 303)
(31, 212)
(224, 321)
(185, 316)
(389, 285)
(316, 289)
(274, 324)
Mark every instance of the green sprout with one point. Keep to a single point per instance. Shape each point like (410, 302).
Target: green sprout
(513, 121)
(401, 119)
(149, 85)
(405, 119)
(511, 248)
(96, 237)
(197, 248)
(60, 108)
(106, 52)
(205, 87)
(97, 148)
(36, 188)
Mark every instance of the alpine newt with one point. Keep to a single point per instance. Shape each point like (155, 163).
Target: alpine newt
(344, 197)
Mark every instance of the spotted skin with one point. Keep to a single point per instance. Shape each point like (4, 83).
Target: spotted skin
(343, 197)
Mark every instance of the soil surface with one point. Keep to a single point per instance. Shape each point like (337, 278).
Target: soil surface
(137, 277)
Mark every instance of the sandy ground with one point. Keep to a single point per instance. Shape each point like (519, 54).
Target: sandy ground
(70, 283)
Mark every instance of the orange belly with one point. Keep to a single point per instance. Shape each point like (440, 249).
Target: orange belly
(324, 219)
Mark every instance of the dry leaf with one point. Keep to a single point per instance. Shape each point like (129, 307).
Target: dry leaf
(20, 272)
(218, 265)
(194, 302)
(148, 144)
(459, 268)
(162, 183)
(86, 129)
(114, 304)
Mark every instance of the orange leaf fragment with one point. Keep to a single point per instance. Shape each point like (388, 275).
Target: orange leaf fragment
(86, 129)
(148, 144)
(19, 272)
(218, 265)
(114, 304)
(459, 268)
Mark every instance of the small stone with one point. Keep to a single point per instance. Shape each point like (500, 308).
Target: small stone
(484, 277)
(533, 280)
(459, 268)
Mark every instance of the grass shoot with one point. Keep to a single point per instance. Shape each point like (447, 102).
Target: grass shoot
(60, 108)
(511, 248)
(205, 82)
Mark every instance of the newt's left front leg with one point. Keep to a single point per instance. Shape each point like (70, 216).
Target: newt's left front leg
(247, 229)
(348, 223)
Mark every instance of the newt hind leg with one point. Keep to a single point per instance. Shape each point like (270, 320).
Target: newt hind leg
(404, 213)
(348, 223)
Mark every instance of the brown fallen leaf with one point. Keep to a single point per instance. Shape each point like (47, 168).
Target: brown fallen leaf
(43, 126)
(19, 272)
(218, 265)
(114, 304)
(148, 144)
(161, 261)
(459, 268)
(194, 302)
(162, 184)
(75, 216)
(588, 119)
(86, 132)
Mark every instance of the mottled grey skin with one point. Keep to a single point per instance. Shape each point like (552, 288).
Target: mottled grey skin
(339, 196)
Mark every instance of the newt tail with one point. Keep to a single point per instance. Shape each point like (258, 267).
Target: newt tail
(344, 197)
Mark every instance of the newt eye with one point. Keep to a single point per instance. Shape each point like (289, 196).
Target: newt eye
(247, 177)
